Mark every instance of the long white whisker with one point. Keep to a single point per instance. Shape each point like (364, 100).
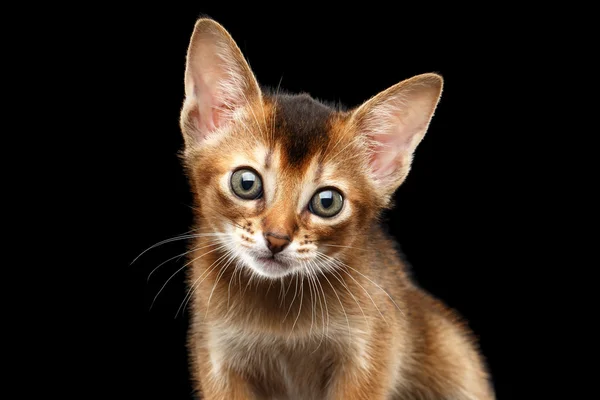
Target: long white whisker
(213, 243)
(346, 247)
(202, 276)
(174, 239)
(262, 106)
(351, 142)
(313, 277)
(335, 274)
(299, 308)
(248, 130)
(248, 283)
(275, 109)
(312, 302)
(235, 270)
(367, 278)
(293, 298)
(340, 301)
(229, 260)
(280, 290)
(324, 296)
(180, 269)
(287, 290)
(254, 115)
(366, 291)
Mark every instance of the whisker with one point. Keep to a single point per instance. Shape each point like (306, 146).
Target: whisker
(350, 143)
(280, 290)
(221, 272)
(312, 302)
(340, 139)
(299, 308)
(174, 239)
(235, 270)
(367, 278)
(249, 281)
(269, 287)
(335, 274)
(324, 298)
(254, 115)
(248, 130)
(214, 242)
(262, 106)
(340, 301)
(197, 284)
(346, 247)
(312, 276)
(240, 279)
(367, 292)
(288, 288)
(180, 269)
(275, 110)
(293, 298)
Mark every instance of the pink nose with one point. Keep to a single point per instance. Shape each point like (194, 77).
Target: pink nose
(276, 242)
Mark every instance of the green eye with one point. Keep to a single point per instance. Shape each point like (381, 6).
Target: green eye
(246, 184)
(326, 203)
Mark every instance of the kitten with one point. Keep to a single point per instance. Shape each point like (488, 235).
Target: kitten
(296, 292)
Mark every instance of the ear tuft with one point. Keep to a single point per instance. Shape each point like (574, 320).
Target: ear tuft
(394, 123)
(218, 81)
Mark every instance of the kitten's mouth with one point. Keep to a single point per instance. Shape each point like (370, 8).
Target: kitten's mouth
(272, 266)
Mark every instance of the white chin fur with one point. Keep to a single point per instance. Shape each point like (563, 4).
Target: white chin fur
(271, 270)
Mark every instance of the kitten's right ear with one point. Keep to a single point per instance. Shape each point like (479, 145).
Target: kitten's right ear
(218, 81)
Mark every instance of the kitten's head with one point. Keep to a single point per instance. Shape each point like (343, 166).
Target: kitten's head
(284, 179)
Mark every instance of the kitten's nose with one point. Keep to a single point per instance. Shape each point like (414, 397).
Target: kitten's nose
(276, 242)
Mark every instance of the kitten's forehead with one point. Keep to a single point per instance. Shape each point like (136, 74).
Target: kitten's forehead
(302, 127)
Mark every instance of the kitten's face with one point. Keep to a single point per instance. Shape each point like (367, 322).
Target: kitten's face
(287, 188)
(286, 181)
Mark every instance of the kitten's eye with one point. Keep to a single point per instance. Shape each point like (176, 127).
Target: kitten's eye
(326, 203)
(246, 184)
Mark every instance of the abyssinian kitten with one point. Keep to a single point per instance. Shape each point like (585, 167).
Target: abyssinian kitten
(296, 292)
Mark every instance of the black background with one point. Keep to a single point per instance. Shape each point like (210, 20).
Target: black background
(455, 216)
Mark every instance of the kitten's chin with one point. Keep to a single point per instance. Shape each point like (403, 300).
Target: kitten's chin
(273, 268)
(268, 267)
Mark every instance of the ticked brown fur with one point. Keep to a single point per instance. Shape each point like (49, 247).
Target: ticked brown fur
(346, 322)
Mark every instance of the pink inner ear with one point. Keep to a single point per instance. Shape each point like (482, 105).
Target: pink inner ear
(218, 116)
(387, 154)
(214, 111)
(395, 121)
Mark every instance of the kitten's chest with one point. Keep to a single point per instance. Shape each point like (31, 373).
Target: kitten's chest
(278, 367)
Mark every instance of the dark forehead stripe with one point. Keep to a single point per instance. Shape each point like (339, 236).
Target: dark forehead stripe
(302, 126)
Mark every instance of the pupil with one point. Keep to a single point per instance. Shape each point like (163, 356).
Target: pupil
(248, 180)
(326, 199)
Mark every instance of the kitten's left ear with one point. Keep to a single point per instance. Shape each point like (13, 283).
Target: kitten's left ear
(218, 82)
(394, 122)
